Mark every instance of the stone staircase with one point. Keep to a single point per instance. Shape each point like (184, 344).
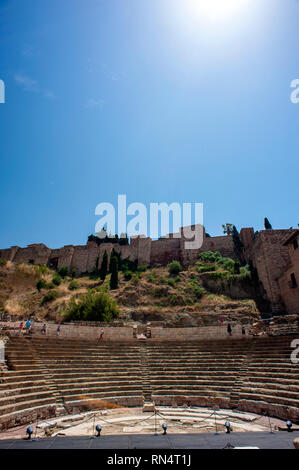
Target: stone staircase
(242, 374)
(146, 379)
(49, 376)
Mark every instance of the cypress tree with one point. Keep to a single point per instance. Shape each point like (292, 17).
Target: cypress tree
(237, 267)
(238, 244)
(267, 224)
(114, 273)
(104, 266)
(113, 253)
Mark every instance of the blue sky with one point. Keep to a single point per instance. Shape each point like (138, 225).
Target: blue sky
(154, 99)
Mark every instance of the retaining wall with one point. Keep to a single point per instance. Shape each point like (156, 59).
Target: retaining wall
(91, 333)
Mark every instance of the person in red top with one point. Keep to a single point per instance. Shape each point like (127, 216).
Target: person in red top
(21, 327)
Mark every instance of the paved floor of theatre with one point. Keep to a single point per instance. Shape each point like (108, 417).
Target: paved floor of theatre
(262, 440)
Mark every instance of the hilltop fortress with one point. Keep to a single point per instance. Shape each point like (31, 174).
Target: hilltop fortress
(274, 254)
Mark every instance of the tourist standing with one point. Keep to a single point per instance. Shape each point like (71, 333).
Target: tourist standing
(101, 333)
(229, 329)
(28, 326)
(243, 331)
(58, 330)
(44, 329)
(21, 328)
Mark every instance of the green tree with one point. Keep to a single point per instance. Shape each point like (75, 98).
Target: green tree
(112, 255)
(267, 224)
(104, 266)
(227, 228)
(114, 273)
(237, 267)
(73, 273)
(92, 306)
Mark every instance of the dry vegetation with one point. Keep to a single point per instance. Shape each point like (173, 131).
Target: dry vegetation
(152, 295)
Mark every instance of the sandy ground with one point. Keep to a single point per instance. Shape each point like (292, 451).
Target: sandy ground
(135, 421)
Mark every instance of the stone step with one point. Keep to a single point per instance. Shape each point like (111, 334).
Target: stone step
(24, 405)
(269, 399)
(22, 390)
(99, 388)
(27, 396)
(101, 395)
(272, 392)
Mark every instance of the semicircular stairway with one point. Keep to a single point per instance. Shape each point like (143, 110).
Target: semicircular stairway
(46, 377)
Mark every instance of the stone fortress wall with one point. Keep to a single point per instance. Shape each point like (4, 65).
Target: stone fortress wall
(87, 258)
(266, 250)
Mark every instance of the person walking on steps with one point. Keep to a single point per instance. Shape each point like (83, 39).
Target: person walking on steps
(101, 333)
(229, 329)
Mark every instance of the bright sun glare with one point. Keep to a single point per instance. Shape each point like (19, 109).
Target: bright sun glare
(216, 9)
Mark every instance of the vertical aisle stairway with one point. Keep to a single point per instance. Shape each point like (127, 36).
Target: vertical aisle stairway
(145, 373)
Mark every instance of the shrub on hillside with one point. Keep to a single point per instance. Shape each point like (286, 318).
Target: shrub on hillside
(63, 271)
(196, 290)
(170, 281)
(204, 268)
(56, 280)
(51, 295)
(227, 263)
(50, 285)
(210, 256)
(245, 272)
(128, 275)
(159, 292)
(3, 262)
(151, 277)
(142, 268)
(219, 275)
(42, 269)
(73, 285)
(135, 279)
(174, 268)
(178, 299)
(215, 257)
(92, 306)
(41, 284)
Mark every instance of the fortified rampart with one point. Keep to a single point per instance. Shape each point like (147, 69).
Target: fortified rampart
(87, 258)
(268, 254)
(265, 250)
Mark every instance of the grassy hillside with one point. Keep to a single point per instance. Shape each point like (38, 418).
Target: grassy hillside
(145, 295)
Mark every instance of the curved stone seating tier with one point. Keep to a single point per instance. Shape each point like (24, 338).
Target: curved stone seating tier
(48, 376)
